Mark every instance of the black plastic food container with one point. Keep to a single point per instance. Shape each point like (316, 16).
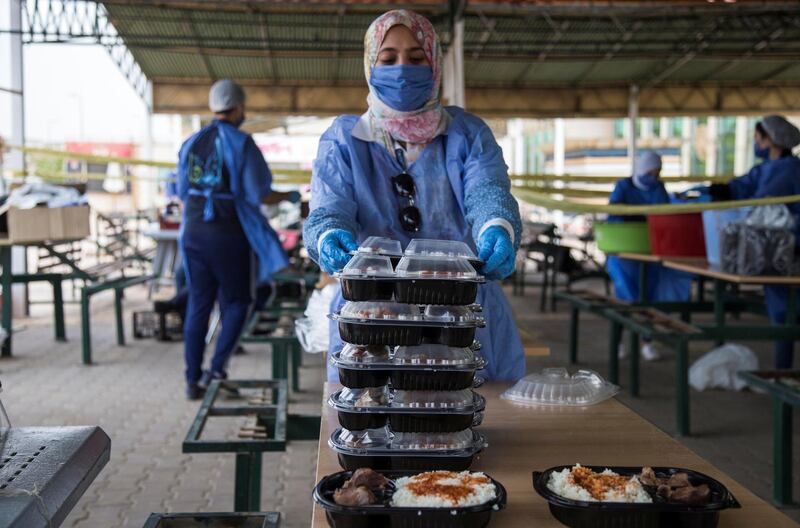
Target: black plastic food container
(357, 421)
(385, 516)
(362, 378)
(430, 423)
(659, 514)
(448, 380)
(361, 289)
(383, 334)
(433, 291)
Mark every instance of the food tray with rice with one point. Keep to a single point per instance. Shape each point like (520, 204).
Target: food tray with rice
(601, 496)
(396, 324)
(425, 367)
(434, 499)
(408, 411)
(415, 280)
(385, 450)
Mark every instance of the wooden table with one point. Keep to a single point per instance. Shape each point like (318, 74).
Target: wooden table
(523, 439)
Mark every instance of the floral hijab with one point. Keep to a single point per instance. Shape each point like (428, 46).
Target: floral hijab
(417, 127)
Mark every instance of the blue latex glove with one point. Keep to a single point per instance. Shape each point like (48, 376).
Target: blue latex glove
(497, 252)
(334, 251)
(294, 196)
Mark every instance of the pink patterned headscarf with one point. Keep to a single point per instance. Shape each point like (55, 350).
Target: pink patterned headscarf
(418, 126)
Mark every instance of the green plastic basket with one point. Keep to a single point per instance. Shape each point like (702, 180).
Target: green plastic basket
(623, 237)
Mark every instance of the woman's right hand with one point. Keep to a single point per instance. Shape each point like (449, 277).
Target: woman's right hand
(334, 250)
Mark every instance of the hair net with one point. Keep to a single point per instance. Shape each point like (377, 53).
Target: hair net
(782, 133)
(646, 161)
(224, 95)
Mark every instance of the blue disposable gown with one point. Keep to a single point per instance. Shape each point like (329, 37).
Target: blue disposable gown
(462, 183)
(250, 182)
(778, 177)
(662, 284)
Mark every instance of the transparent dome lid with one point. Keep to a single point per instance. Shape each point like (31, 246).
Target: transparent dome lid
(370, 397)
(364, 354)
(381, 442)
(381, 311)
(364, 265)
(366, 438)
(428, 441)
(435, 268)
(434, 399)
(433, 355)
(423, 247)
(381, 246)
(449, 314)
(554, 386)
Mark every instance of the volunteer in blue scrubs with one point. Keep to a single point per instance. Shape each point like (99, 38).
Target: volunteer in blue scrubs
(644, 188)
(778, 174)
(412, 168)
(227, 243)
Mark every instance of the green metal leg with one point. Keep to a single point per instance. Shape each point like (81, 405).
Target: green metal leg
(296, 355)
(719, 306)
(643, 282)
(615, 335)
(701, 289)
(5, 262)
(634, 355)
(682, 386)
(574, 320)
(782, 451)
(118, 313)
(791, 307)
(86, 336)
(247, 489)
(58, 310)
(279, 357)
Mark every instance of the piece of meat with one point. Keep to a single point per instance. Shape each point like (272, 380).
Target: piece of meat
(354, 496)
(648, 477)
(679, 480)
(664, 491)
(691, 495)
(369, 478)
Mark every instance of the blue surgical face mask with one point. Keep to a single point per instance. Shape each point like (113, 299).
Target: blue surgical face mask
(403, 87)
(645, 181)
(762, 153)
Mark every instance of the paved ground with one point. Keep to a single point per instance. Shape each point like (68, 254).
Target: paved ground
(136, 394)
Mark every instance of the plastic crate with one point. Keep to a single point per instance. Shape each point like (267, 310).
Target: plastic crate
(678, 235)
(713, 224)
(622, 237)
(161, 326)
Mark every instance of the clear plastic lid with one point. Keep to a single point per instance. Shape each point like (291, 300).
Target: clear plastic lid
(363, 265)
(370, 397)
(450, 314)
(439, 248)
(383, 442)
(381, 246)
(554, 386)
(434, 399)
(381, 311)
(365, 354)
(433, 355)
(435, 268)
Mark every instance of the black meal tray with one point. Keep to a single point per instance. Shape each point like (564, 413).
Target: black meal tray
(436, 291)
(351, 462)
(384, 516)
(367, 289)
(388, 334)
(406, 379)
(659, 514)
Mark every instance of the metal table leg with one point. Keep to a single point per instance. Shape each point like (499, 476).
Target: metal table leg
(634, 354)
(719, 306)
(782, 451)
(86, 330)
(615, 335)
(574, 319)
(247, 488)
(643, 282)
(118, 293)
(58, 310)
(682, 387)
(5, 262)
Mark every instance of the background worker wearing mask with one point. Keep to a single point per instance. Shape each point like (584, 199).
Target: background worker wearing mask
(222, 181)
(411, 168)
(644, 188)
(777, 175)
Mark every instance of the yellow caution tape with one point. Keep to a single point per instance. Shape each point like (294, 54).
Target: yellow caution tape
(613, 179)
(543, 200)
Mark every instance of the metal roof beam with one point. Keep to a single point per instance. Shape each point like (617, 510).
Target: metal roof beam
(701, 43)
(761, 44)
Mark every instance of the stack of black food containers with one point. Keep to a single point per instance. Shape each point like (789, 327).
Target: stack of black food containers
(408, 364)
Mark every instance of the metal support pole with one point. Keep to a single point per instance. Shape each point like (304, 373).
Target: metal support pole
(574, 321)
(719, 306)
(634, 355)
(58, 310)
(118, 294)
(5, 262)
(614, 337)
(633, 115)
(682, 387)
(247, 487)
(782, 451)
(642, 282)
(86, 331)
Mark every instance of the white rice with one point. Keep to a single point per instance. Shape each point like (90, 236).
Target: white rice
(562, 484)
(481, 493)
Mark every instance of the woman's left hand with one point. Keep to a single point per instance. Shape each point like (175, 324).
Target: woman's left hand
(497, 252)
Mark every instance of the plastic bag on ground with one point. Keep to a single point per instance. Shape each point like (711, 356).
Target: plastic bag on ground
(718, 368)
(312, 330)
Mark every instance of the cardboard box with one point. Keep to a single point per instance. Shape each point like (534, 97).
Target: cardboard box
(43, 224)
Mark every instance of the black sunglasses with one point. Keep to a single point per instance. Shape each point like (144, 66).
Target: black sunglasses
(410, 217)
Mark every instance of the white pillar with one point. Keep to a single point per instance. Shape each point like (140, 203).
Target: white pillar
(453, 80)
(712, 133)
(633, 114)
(687, 134)
(559, 146)
(515, 133)
(664, 128)
(743, 153)
(646, 125)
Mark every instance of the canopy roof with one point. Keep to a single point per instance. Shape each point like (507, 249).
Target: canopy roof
(520, 58)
